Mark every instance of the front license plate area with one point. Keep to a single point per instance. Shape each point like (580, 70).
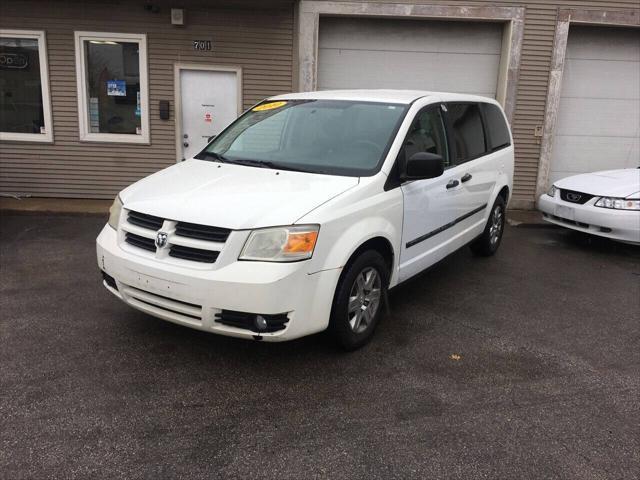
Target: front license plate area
(153, 284)
(565, 212)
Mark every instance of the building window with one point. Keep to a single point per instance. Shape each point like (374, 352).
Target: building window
(112, 87)
(25, 109)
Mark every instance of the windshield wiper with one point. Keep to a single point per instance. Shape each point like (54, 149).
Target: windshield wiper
(217, 156)
(270, 164)
(252, 163)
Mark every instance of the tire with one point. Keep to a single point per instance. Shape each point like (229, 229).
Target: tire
(487, 244)
(358, 301)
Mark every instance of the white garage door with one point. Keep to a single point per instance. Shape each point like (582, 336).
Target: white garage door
(599, 115)
(412, 54)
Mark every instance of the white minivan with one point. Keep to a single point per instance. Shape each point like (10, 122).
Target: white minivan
(302, 213)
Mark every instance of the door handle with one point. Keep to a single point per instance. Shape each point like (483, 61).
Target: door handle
(452, 184)
(466, 177)
(185, 144)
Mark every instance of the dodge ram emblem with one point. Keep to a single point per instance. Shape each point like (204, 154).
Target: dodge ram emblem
(161, 240)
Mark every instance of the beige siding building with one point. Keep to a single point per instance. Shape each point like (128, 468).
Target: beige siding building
(97, 94)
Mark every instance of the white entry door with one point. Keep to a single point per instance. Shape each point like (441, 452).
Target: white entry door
(209, 101)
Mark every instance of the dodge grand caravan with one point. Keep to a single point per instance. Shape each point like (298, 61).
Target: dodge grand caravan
(302, 213)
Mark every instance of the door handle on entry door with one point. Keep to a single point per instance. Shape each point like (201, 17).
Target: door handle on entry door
(452, 184)
(466, 177)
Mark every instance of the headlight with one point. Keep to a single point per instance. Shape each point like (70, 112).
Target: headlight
(114, 213)
(281, 244)
(552, 191)
(618, 203)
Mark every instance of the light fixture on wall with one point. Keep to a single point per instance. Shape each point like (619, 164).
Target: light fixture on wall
(177, 16)
(150, 7)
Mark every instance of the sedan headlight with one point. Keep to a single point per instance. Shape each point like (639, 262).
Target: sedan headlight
(281, 244)
(552, 191)
(619, 203)
(114, 213)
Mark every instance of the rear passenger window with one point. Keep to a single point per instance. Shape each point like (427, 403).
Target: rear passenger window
(496, 127)
(468, 133)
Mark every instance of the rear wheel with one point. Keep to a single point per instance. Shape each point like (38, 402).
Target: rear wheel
(487, 244)
(357, 304)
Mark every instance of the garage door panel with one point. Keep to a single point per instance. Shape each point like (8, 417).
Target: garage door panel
(589, 154)
(598, 117)
(599, 113)
(604, 44)
(354, 69)
(426, 55)
(606, 79)
(410, 36)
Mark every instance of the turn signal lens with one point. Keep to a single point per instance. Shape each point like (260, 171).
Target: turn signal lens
(281, 244)
(301, 242)
(114, 213)
(552, 191)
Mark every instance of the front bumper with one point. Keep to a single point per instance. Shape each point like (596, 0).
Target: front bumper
(621, 225)
(195, 298)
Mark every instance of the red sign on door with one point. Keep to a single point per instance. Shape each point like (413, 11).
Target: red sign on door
(207, 117)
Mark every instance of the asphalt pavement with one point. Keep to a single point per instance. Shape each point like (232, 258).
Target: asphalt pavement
(521, 366)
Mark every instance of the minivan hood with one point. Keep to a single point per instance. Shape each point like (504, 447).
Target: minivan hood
(609, 183)
(232, 196)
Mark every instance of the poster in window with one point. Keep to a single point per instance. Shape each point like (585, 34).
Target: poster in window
(94, 115)
(116, 88)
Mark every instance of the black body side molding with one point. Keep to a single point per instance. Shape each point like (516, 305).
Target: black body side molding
(441, 229)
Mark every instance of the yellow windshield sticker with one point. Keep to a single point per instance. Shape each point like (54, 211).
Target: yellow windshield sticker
(269, 106)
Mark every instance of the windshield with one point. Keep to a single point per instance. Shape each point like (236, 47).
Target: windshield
(321, 136)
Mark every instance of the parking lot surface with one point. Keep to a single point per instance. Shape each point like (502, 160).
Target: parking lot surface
(524, 365)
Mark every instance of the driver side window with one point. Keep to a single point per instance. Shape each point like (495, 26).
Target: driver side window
(427, 135)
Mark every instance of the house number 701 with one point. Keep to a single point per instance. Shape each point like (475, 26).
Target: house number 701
(202, 44)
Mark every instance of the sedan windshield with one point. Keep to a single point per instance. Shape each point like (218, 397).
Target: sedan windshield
(321, 136)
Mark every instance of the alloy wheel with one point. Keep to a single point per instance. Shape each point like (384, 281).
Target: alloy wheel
(495, 229)
(364, 299)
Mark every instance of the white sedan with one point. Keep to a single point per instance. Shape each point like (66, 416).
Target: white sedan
(601, 203)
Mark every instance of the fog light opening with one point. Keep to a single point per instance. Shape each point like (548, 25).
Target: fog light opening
(261, 323)
(109, 280)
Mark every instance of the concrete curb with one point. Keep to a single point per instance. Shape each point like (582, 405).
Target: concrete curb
(526, 219)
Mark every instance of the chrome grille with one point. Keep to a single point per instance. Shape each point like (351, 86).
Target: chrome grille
(202, 232)
(144, 220)
(575, 197)
(186, 241)
(193, 254)
(140, 242)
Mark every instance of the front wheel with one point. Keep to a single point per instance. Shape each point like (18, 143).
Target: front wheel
(357, 304)
(487, 244)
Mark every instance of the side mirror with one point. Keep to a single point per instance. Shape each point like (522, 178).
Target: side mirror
(211, 138)
(423, 165)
